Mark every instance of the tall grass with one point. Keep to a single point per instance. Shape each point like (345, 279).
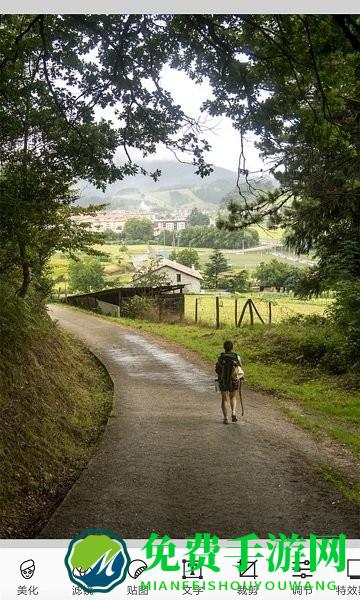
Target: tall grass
(54, 402)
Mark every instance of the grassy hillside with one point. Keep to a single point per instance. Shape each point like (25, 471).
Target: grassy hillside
(54, 400)
(178, 187)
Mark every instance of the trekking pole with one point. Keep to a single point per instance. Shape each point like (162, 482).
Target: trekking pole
(241, 400)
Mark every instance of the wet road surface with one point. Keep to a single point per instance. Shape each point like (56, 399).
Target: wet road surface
(166, 463)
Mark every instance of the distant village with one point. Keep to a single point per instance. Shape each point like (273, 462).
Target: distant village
(115, 220)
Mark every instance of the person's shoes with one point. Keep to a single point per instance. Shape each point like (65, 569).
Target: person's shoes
(234, 418)
(225, 421)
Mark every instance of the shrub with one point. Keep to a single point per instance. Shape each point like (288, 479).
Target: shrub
(345, 315)
(312, 340)
(139, 307)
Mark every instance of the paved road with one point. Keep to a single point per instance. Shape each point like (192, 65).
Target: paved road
(166, 463)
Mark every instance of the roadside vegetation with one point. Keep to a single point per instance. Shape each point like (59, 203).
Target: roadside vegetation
(55, 399)
(303, 363)
(299, 361)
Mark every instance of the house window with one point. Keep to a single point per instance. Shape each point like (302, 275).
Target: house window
(178, 277)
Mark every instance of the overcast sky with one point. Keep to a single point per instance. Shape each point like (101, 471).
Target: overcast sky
(223, 138)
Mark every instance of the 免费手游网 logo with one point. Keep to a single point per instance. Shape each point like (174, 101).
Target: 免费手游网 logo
(97, 560)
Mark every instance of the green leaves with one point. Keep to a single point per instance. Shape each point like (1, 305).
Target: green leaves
(197, 217)
(58, 72)
(217, 264)
(186, 256)
(291, 80)
(139, 230)
(86, 275)
(279, 275)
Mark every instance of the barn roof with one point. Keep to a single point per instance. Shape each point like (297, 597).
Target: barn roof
(129, 292)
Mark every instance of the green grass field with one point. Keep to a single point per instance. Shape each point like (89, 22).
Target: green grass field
(269, 234)
(237, 259)
(119, 270)
(282, 307)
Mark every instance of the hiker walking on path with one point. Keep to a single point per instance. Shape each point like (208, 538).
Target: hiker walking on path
(230, 373)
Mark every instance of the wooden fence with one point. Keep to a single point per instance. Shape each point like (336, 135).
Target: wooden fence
(249, 307)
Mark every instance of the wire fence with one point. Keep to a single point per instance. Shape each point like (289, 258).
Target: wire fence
(219, 310)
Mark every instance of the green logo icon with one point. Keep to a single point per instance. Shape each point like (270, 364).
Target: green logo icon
(97, 560)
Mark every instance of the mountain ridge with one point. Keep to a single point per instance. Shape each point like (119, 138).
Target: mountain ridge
(178, 188)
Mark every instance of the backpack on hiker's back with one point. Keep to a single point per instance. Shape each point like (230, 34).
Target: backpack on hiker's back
(228, 367)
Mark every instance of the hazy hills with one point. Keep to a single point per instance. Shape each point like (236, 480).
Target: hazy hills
(178, 188)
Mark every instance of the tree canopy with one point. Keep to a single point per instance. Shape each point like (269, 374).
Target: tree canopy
(86, 275)
(186, 256)
(293, 80)
(212, 237)
(58, 73)
(197, 217)
(140, 230)
(235, 282)
(278, 274)
(217, 264)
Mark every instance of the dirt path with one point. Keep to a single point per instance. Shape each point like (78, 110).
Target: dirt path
(166, 462)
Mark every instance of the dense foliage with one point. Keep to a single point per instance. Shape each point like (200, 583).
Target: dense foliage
(214, 268)
(86, 275)
(235, 282)
(186, 256)
(212, 237)
(138, 230)
(293, 80)
(52, 94)
(197, 217)
(277, 274)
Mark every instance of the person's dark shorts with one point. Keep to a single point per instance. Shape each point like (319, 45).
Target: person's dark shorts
(232, 387)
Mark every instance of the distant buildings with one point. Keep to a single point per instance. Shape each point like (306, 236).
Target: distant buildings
(173, 224)
(115, 220)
